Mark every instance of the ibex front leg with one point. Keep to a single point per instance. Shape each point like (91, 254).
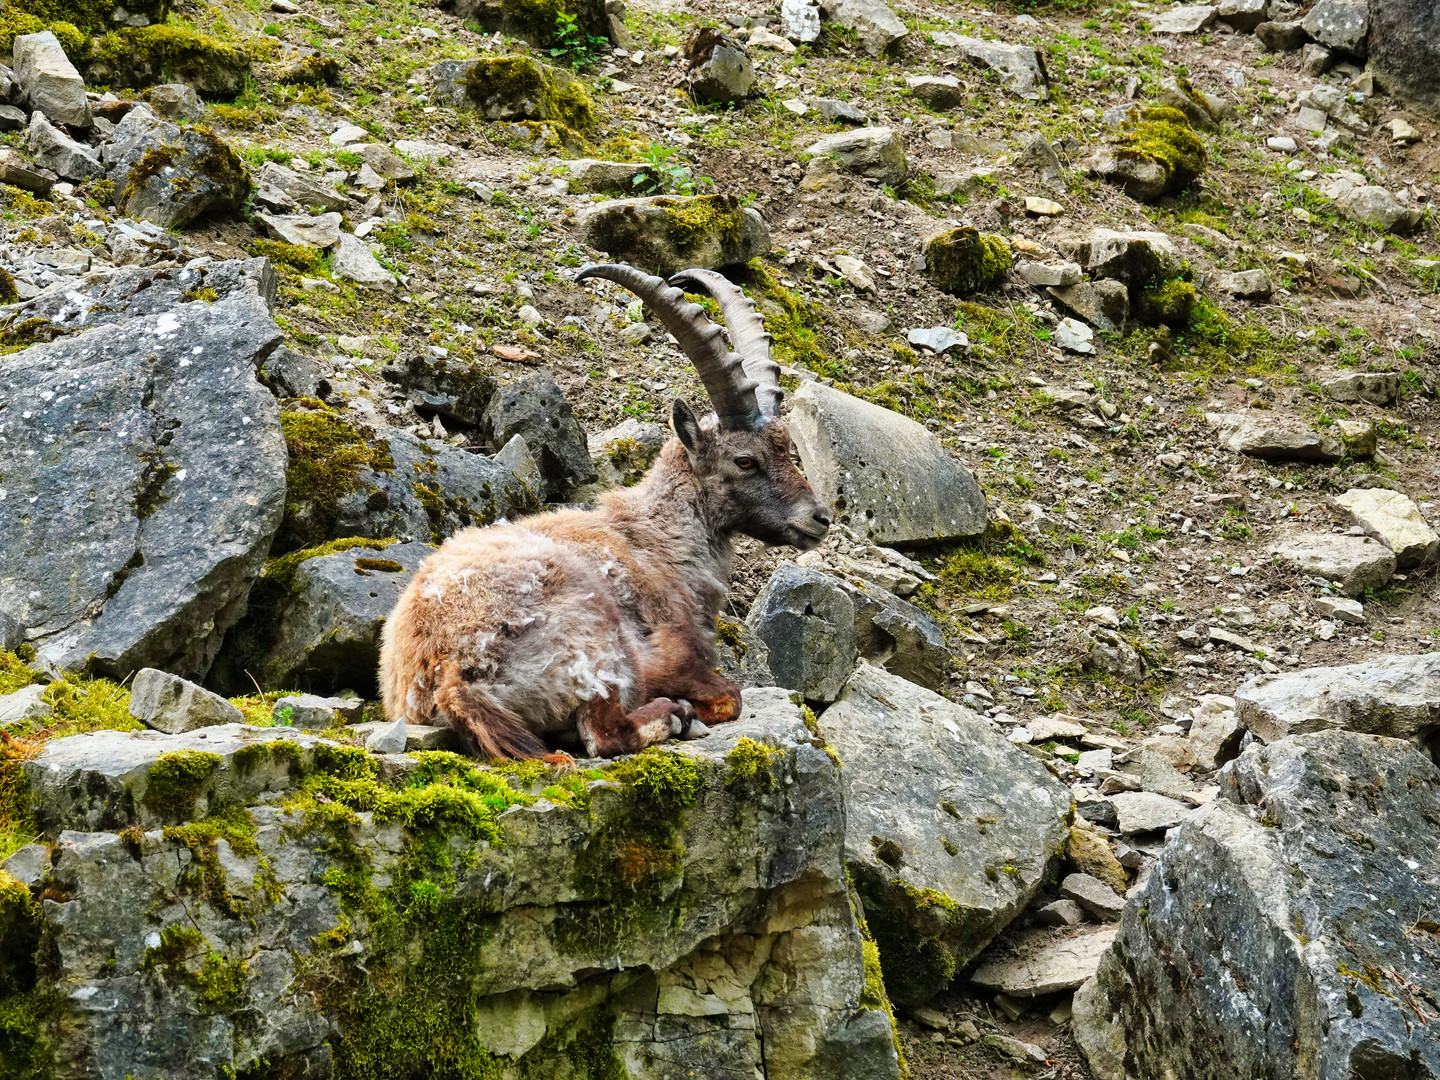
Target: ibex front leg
(680, 666)
(608, 731)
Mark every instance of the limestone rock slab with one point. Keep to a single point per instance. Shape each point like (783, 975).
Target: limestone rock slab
(1394, 696)
(885, 477)
(1394, 520)
(1351, 562)
(949, 828)
(151, 411)
(1276, 934)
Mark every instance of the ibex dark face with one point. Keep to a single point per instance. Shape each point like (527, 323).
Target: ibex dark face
(742, 455)
(751, 482)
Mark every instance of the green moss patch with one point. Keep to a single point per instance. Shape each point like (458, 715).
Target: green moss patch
(176, 781)
(185, 958)
(964, 260)
(748, 765)
(1164, 136)
(791, 320)
(327, 455)
(146, 55)
(27, 1014)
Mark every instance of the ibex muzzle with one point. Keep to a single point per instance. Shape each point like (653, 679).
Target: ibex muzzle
(602, 622)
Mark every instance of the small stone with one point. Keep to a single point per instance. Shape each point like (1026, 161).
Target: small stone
(27, 703)
(417, 736)
(309, 711)
(389, 739)
(1042, 207)
(1046, 274)
(1074, 336)
(1022, 1053)
(1064, 912)
(355, 262)
(938, 339)
(941, 93)
(1283, 143)
(348, 134)
(1144, 811)
(1094, 896)
(1341, 608)
(173, 705)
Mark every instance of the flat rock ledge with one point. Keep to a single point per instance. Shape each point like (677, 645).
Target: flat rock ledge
(681, 912)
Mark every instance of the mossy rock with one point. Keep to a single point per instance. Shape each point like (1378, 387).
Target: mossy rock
(327, 456)
(315, 70)
(1158, 152)
(1168, 304)
(535, 20)
(514, 88)
(964, 260)
(178, 183)
(666, 233)
(143, 56)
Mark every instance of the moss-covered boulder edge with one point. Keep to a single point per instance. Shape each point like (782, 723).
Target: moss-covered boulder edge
(425, 915)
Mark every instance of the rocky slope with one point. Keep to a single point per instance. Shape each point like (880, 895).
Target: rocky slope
(1110, 333)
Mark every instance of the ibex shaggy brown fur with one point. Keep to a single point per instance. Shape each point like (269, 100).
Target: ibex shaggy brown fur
(602, 622)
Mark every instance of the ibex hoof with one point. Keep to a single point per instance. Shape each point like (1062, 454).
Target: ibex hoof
(682, 718)
(697, 730)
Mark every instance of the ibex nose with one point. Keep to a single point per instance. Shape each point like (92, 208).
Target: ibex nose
(821, 518)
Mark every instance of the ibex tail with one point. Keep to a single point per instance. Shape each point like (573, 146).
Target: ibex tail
(474, 716)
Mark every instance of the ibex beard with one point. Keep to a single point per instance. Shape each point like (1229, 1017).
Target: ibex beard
(602, 622)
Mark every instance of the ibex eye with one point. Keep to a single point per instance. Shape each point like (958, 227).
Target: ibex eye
(745, 462)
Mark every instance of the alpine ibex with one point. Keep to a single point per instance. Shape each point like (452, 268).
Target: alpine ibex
(602, 622)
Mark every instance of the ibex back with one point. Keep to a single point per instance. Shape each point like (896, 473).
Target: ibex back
(602, 622)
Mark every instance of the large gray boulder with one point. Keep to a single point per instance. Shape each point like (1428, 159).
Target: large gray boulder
(48, 80)
(171, 175)
(668, 233)
(535, 408)
(874, 152)
(949, 829)
(1405, 48)
(1339, 24)
(874, 23)
(720, 68)
(1020, 68)
(674, 917)
(326, 627)
(150, 465)
(1394, 696)
(807, 623)
(1285, 931)
(1274, 438)
(885, 477)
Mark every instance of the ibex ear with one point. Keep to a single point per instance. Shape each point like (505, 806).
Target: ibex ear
(687, 427)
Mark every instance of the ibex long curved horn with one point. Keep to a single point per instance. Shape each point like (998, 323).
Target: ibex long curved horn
(747, 334)
(723, 373)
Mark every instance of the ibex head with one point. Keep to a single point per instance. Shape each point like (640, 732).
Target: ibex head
(741, 454)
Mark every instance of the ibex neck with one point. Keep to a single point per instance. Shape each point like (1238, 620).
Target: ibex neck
(666, 516)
